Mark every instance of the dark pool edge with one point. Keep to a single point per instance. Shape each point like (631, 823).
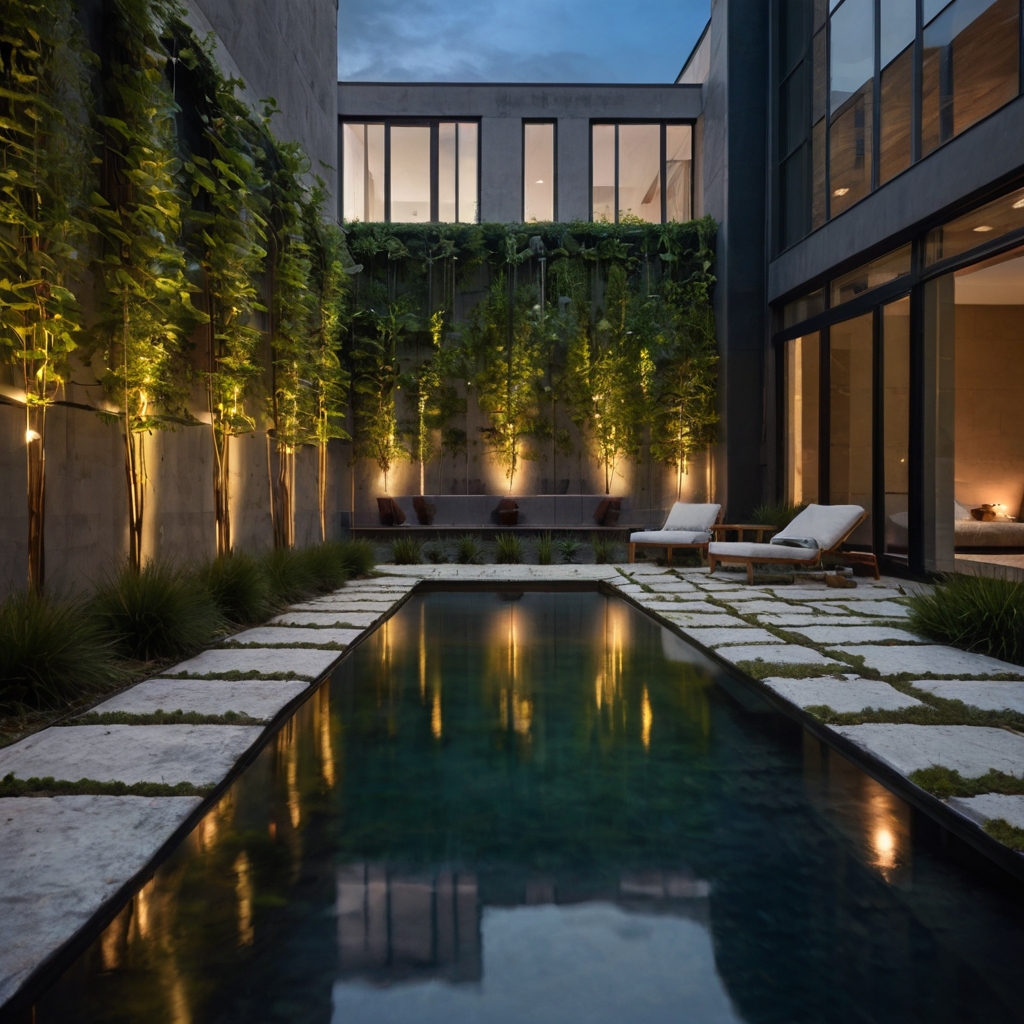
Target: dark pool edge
(957, 823)
(49, 970)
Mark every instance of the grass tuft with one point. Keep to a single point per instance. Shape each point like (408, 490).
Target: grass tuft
(946, 782)
(766, 669)
(291, 576)
(159, 717)
(51, 651)
(334, 562)
(239, 586)
(775, 513)
(974, 613)
(568, 549)
(436, 554)
(604, 547)
(406, 551)
(159, 612)
(467, 550)
(509, 549)
(545, 549)
(1009, 835)
(49, 786)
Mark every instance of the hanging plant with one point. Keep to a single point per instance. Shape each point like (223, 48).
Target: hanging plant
(45, 189)
(146, 314)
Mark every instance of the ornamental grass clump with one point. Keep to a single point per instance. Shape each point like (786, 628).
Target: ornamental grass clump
(239, 586)
(545, 549)
(291, 574)
(778, 514)
(158, 611)
(510, 549)
(568, 549)
(406, 551)
(604, 548)
(467, 550)
(51, 652)
(974, 613)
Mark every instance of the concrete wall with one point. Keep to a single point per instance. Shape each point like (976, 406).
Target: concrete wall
(501, 110)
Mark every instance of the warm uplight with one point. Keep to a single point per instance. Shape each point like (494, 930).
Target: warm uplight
(646, 718)
(1019, 205)
(31, 435)
(435, 716)
(983, 228)
(243, 891)
(840, 192)
(884, 843)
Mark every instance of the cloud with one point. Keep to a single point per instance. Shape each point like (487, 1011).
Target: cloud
(516, 40)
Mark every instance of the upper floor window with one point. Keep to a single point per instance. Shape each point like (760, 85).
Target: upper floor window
(641, 172)
(538, 171)
(409, 172)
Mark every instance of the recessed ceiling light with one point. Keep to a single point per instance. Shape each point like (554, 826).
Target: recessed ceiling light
(1019, 205)
(982, 228)
(840, 192)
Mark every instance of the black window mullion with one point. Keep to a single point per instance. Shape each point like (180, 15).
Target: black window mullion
(824, 419)
(916, 439)
(664, 171)
(876, 123)
(458, 145)
(828, 116)
(616, 191)
(915, 88)
(435, 131)
(387, 171)
(878, 436)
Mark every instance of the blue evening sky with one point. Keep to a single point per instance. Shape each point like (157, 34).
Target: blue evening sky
(517, 40)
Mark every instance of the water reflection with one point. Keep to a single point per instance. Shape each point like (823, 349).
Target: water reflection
(539, 809)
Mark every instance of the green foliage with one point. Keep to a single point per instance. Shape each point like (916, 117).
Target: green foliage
(974, 613)
(356, 555)
(467, 550)
(239, 587)
(406, 551)
(545, 549)
(291, 574)
(436, 554)
(1009, 835)
(778, 514)
(160, 717)
(159, 611)
(605, 548)
(51, 652)
(510, 549)
(568, 549)
(334, 562)
(946, 782)
(49, 786)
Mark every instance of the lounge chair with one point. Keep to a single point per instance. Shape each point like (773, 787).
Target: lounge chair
(818, 530)
(688, 527)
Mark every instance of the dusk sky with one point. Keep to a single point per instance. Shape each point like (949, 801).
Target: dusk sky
(517, 40)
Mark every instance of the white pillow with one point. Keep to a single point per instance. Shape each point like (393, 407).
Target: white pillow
(684, 516)
(961, 511)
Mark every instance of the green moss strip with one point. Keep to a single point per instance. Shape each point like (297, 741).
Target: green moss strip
(768, 669)
(232, 645)
(1005, 833)
(159, 717)
(234, 675)
(948, 713)
(946, 782)
(49, 786)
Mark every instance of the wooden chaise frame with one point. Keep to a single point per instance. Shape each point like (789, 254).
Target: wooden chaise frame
(859, 557)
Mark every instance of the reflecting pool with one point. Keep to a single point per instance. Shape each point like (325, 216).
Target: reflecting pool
(543, 807)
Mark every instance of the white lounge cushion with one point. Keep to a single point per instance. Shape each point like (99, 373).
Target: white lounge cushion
(671, 537)
(827, 524)
(961, 511)
(762, 552)
(683, 516)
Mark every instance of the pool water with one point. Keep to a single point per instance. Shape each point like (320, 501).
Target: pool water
(544, 807)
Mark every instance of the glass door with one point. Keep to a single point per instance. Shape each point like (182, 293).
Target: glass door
(895, 385)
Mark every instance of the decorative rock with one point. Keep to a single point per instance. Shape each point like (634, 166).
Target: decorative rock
(835, 633)
(257, 698)
(349, 619)
(842, 695)
(270, 636)
(931, 659)
(200, 754)
(989, 696)
(991, 805)
(970, 750)
(740, 633)
(63, 858)
(270, 663)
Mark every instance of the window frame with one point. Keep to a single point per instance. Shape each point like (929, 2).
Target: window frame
(554, 165)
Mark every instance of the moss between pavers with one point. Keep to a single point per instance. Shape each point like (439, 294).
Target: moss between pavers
(767, 669)
(49, 786)
(159, 717)
(234, 675)
(948, 713)
(1002, 831)
(233, 646)
(946, 782)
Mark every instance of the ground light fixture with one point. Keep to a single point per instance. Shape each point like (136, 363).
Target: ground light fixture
(840, 192)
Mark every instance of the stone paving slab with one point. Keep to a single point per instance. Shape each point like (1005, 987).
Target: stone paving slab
(740, 633)
(860, 593)
(787, 620)
(881, 609)
(842, 695)
(991, 805)
(350, 619)
(970, 750)
(63, 858)
(674, 587)
(659, 604)
(257, 698)
(200, 754)
(698, 621)
(268, 636)
(930, 659)
(333, 604)
(646, 569)
(629, 588)
(833, 633)
(784, 654)
(989, 696)
(269, 662)
(758, 607)
(744, 596)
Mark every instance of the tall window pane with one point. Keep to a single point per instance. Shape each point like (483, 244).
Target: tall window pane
(896, 423)
(469, 178)
(851, 348)
(538, 172)
(603, 185)
(640, 171)
(897, 27)
(969, 66)
(678, 172)
(802, 359)
(362, 157)
(410, 174)
(851, 102)
(446, 161)
(894, 114)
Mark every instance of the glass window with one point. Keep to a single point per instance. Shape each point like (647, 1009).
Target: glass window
(447, 162)
(802, 357)
(897, 28)
(468, 184)
(982, 225)
(895, 116)
(970, 67)
(851, 90)
(362, 192)
(640, 172)
(896, 424)
(803, 308)
(851, 427)
(678, 172)
(410, 174)
(538, 172)
(885, 269)
(603, 184)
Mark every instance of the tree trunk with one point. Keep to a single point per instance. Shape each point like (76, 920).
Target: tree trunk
(321, 487)
(135, 472)
(221, 491)
(35, 457)
(284, 532)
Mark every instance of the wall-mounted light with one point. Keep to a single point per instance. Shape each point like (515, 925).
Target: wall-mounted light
(840, 192)
(31, 435)
(982, 228)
